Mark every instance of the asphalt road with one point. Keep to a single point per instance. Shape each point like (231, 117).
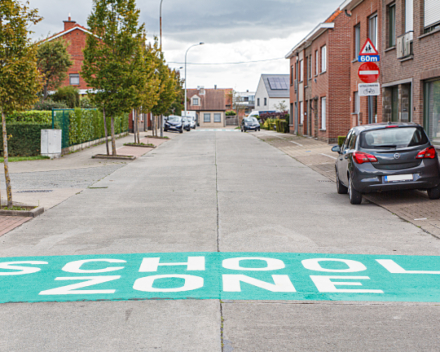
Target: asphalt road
(216, 192)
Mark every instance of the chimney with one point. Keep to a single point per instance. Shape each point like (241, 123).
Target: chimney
(215, 86)
(69, 24)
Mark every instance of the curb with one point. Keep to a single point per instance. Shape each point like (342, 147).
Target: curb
(28, 214)
(116, 157)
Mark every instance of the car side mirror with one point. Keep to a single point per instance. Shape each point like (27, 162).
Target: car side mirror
(336, 149)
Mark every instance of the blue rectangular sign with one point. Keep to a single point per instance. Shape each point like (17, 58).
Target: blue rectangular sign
(368, 58)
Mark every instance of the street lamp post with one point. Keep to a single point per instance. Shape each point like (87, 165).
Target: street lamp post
(186, 54)
(160, 24)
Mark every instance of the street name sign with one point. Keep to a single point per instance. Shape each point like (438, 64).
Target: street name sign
(224, 275)
(368, 72)
(368, 89)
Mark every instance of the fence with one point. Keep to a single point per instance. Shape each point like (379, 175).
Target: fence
(231, 121)
(84, 125)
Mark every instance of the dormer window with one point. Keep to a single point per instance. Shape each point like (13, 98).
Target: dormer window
(195, 101)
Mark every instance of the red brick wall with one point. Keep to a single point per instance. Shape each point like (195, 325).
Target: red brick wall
(77, 39)
(425, 63)
(360, 14)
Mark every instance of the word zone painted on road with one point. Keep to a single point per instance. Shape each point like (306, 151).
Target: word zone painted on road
(228, 276)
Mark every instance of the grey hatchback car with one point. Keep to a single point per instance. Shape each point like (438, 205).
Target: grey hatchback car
(385, 157)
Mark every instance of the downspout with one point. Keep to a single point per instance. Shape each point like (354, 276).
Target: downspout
(297, 93)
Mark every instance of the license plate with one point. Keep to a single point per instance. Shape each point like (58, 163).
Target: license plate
(399, 178)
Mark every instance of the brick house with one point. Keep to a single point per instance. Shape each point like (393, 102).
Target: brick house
(76, 36)
(410, 61)
(320, 81)
(210, 105)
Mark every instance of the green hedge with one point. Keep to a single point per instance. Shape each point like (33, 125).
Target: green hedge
(24, 139)
(88, 125)
(32, 116)
(282, 126)
(268, 124)
(341, 140)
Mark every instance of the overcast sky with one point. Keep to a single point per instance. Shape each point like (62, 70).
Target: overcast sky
(233, 31)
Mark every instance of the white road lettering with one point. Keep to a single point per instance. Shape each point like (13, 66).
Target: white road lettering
(145, 284)
(324, 284)
(75, 267)
(73, 289)
(282, 283)
(23, 270)
(314, 264)
(152, 264)
(395, 268)
(271, 264)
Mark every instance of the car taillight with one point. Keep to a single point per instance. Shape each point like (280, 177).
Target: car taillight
(361, 158)
(428, 153)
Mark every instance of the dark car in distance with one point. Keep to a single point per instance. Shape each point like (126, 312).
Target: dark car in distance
(250, 124)
(385, 157)
(174, 123)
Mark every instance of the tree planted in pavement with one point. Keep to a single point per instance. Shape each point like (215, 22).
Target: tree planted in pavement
(110, 58)
(20, 80)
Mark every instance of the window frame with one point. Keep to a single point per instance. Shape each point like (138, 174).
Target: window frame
(193, 100)
(323, 114)
(374, 40)
(204, 117)
(74, 75)
(392, 37)
(324, 58)
(316, 62)
(301, 71)
(357, 39)
(216, 114)
(265, 101)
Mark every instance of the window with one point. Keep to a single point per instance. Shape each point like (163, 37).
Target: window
(301, 113)
(206, 117)
(258, 101)
(74, 79)
(409, 20)
(291, 75)
(323, 113)
(217, 117)
(301, 71)
(372, 30)
(195, 101)
(432, 15)
(324, 58)
(357, 103)
(357, 40)
(316, 62)
(309, 68)
(265, 101)
(392, 25)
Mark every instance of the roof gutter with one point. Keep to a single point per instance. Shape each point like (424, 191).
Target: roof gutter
(315, 33)
(349, 5)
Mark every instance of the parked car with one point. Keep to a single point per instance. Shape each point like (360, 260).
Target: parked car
(186, 123)
(384, 157)
(174, 123)
(192, 122)
(250, 124)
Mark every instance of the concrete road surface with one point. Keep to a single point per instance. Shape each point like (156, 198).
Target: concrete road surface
(216, 191)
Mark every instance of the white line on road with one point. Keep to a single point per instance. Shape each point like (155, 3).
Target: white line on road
(329, 156)
(296, 143)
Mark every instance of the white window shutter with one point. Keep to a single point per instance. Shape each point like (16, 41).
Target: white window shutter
(432, 12)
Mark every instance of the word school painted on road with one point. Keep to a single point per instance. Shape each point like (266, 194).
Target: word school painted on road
(228, 276)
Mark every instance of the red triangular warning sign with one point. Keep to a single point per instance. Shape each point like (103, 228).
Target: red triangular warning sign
(368, 49)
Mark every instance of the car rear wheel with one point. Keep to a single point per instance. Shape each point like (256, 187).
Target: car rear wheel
(181, 130)
(434, 193)
(339, 186)
(355, 196)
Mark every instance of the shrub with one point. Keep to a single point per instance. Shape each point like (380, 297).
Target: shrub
(24, 139)
(88, 125)
(231, 113)
(86, 103)
(30, 116)
(49, 104)
(341, 140)
(68, 95)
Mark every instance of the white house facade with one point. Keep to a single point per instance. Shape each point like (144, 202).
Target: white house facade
(271, 91)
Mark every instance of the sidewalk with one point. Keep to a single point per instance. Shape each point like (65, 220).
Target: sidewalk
(412, 206)
(79, 160)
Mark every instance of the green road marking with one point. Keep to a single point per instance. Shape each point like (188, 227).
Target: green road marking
(227, 276)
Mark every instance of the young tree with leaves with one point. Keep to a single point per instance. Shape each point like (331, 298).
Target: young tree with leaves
(54, 62)
(110, 57)
(20, 80)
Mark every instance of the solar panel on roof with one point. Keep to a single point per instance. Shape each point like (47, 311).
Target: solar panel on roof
(277, 83)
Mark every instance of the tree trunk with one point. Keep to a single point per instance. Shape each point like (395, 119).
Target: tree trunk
(138, 127)
(161, 125)
(6, 164)
(105, 131)
(134, 119)
(113, 136)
